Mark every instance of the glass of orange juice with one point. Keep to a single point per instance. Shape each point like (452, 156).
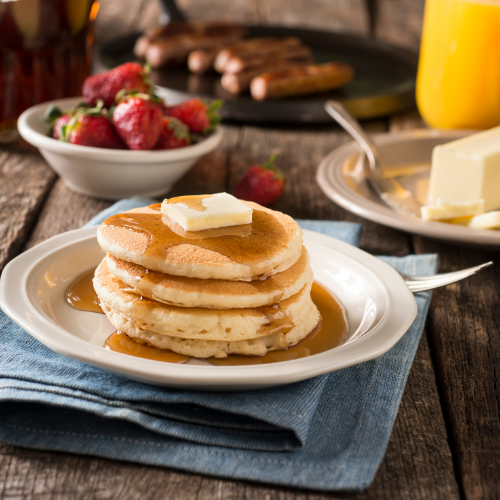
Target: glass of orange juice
(458, 82)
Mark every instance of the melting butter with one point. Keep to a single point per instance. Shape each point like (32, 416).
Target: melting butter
(202, 212)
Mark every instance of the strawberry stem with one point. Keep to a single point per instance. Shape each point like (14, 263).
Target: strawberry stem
(214, 118)
(269, 165)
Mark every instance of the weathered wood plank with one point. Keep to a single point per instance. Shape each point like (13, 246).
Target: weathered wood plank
(464, 337)
(399, 22)
(25, 179)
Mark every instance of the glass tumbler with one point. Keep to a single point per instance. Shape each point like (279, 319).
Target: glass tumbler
(45, 54)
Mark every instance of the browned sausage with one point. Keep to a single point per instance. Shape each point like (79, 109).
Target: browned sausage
(247, 61)
(301, 80)
(172, 43)
(236, 83)
(254, 45)
(174, 50)
(202, 60)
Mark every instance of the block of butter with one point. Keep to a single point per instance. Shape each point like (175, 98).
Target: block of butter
(467, 169)
(446, 210)
(199, 212)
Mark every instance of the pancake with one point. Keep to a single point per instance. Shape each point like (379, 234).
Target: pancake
(217, 349)
(210, 293)
(143, 236)
(198, 323)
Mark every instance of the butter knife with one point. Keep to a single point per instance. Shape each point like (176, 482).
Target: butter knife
(391, 192)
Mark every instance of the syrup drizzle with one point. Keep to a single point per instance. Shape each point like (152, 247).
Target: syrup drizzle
(193, 202)
(268, 237)
(331, 331)
(328, 334)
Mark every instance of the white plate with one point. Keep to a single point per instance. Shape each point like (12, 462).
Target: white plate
(375, 297)
(411, 152)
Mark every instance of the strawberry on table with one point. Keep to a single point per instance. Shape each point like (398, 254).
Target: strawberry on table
(262, 184)
(138, 119)
(174, 134)
(105, 86)
(200, 117)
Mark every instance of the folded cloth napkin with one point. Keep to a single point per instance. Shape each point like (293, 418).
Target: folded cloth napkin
(327, 433)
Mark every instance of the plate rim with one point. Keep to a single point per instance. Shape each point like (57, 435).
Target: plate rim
(16, 304)
(332, 183)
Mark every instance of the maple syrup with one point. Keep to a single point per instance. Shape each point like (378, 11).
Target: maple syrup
(328, 334)
(81, 295)
(119, 342)
(192, 202)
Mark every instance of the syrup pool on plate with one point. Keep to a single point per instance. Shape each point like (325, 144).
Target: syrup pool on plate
(331, 331)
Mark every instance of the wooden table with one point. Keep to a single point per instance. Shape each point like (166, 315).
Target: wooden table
(446, 438)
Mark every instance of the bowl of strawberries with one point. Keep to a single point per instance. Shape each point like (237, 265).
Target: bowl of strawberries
(120, 139)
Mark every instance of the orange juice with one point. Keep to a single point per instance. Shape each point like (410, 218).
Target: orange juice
(458, 82)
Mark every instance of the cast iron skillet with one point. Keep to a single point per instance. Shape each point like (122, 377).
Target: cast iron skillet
(384, 80)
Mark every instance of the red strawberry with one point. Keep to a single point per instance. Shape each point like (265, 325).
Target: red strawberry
(138, 120)
(174, 134)
(60, 122)
(200, 117)
(91, 127)
(95, 131)
(262, 184)
(105, 86)
(56, 119)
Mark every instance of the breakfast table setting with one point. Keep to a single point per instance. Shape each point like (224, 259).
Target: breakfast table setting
(402, 403)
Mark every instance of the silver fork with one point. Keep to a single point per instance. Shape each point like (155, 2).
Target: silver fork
(421, 283)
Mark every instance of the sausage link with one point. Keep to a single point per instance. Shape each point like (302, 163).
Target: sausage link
(251, 46)
(247, 61)
(236, 83)
(301, 80)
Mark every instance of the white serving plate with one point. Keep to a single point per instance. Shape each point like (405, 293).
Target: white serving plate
(32, 291)
(111, 174)
(407, 156)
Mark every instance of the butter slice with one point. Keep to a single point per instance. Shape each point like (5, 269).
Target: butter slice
(208, 212)
(448, 210)
(468, 169)
(489, 220)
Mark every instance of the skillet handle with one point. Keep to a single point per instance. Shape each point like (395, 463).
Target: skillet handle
(172, 11)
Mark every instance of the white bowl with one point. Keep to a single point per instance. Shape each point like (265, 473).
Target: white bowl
(110, 173)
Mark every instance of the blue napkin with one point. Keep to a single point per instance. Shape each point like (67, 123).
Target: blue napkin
(327, 433)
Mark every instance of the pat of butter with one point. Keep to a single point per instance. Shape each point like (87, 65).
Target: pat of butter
(468, 169)
(489, 220)
(199, 212)
(447, 210)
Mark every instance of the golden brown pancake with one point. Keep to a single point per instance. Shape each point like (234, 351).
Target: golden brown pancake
(210, 293)
(217, 349)
(271, 244)
(198, 323)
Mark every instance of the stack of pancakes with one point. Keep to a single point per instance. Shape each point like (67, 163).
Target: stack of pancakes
(237, 290)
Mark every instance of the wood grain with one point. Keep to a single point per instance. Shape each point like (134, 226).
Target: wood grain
(25, 179)
(399, 22)
(464, 323)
